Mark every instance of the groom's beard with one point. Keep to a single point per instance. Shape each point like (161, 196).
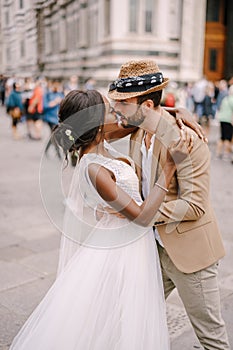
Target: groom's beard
(135, 119)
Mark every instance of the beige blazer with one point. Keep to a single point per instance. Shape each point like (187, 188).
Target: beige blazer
(185, 220)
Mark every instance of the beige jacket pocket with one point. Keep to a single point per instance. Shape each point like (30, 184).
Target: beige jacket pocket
(192, 225)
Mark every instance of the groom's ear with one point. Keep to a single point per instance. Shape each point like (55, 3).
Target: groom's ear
(148, 103)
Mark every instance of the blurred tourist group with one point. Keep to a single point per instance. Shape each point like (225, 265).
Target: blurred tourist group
(211, 103)
(35, 101)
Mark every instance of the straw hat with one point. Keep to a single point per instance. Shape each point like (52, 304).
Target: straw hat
(137, 78)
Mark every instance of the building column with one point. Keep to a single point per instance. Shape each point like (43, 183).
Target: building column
(162, 19)
(192, 40)
(119, 19)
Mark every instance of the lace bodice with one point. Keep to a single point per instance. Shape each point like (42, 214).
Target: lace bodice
(125, 175)
(82, 223)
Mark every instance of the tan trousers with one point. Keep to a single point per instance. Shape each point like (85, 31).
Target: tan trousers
(199, 293)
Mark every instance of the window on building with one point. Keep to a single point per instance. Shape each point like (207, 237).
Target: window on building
(213, 60)
(22, 48)
(71, 35)
(48, 40)
(77, 31)
(107, 17)
(83, 27)
(74, 35)
(92, 26)
(213, 10)
(7, 18)
(90, 29)
(142, 23)
(149, 16)
(68, 33)
(95, 27)
(21, 4)
(62, 34)
(8, 54)
(133, 13)
(54, 40)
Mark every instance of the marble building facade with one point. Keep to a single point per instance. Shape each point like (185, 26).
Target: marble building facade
(92, 38)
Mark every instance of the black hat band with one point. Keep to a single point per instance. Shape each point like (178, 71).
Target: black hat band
(137, 84)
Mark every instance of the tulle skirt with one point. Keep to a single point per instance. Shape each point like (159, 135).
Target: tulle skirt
(104, 299)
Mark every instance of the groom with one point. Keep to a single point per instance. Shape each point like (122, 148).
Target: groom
(187, 235)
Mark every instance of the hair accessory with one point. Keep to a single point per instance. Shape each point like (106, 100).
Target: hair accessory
(137, 78)
(162, 188)
(68, 133)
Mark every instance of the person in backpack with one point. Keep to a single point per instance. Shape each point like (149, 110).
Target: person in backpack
(52, 100)
(15, 108)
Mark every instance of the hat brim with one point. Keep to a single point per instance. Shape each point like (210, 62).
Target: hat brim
(115, 95)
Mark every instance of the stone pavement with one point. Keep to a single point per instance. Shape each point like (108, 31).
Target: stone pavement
(29, 242)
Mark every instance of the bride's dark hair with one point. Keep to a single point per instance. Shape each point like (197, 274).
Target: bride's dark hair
(81, 114)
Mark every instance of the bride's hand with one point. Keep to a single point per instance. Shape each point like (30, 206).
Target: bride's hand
(100, 210)
(184, 118)
(187, 122)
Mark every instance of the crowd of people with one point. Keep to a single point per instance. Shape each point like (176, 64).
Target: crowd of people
(202, 97)
(32, 102)
(36, 101)
(210, 102)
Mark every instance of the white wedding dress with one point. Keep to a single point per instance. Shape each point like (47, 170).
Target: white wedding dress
(108, 294)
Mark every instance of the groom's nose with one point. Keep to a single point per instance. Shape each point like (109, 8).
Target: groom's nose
(118, 108)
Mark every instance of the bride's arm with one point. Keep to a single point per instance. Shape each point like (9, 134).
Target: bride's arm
(122, 202)
(105, 184)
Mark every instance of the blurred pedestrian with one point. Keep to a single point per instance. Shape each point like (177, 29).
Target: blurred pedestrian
(27, 92)
(52, 100)
(225, 116)
(222, 92)
(208, 111)
(35, 110)
(90, 84)
(72, 84)
(2, 89)
(198, 93)
(185, 98)
(15, 108)
(9, 85)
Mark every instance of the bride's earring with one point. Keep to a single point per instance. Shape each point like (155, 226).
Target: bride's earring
(99, 135)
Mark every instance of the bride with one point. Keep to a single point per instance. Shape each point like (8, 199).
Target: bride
(108, 294)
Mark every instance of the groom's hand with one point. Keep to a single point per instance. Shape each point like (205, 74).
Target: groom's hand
(101, 210)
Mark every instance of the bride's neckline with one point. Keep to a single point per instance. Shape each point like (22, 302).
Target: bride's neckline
(121, 159)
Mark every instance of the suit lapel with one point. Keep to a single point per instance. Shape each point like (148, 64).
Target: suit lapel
(135, 153)
(164, 135)
(155, 162)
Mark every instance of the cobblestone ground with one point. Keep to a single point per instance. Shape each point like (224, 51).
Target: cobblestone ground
(29, 241)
